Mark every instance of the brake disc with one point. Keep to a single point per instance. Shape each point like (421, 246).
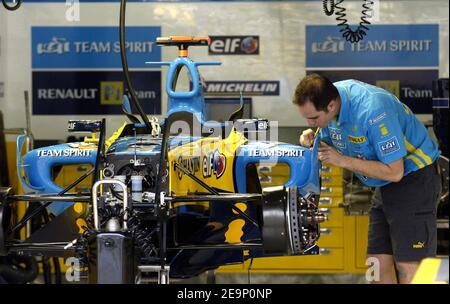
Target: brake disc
(290, 222)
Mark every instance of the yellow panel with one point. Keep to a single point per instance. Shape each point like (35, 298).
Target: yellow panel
(335, 218)
(331, 237)
(328, 201)
(273, 174)
(328, 170)
(270, 181)
(349, 244)
(362, 228)
(70, 173)
(73, 172)
(333, 260)
(280, 169)
(332, 180)
(335, 191)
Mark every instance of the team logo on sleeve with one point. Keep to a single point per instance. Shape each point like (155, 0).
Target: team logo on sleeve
(336, 138)
(389, 146)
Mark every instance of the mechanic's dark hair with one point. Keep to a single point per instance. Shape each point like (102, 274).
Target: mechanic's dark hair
(317, 89)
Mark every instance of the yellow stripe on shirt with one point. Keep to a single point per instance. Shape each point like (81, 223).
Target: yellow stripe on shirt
(410, 148)
(425, 157)
(416, 161)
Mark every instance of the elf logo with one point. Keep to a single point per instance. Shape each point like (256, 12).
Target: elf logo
(234, 45)
(214, 162)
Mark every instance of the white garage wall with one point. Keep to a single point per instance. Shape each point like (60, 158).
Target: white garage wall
(280, 25)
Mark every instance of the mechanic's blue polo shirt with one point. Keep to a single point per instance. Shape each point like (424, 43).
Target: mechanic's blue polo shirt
(374, 125)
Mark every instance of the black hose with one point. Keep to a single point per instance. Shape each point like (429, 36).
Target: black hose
(57, 268)
(123, 56)
(100, 152)
(13, 271)
(46, 270)
(12, 7)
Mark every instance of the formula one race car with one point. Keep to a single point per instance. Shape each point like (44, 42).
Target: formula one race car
(176, 199)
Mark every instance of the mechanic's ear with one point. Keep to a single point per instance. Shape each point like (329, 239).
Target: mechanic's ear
(332, 105)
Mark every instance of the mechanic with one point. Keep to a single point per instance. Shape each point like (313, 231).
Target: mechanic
(367, 130)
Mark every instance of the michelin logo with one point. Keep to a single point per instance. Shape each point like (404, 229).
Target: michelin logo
(330, 45)
(264, 88)
(55, 46)
(389, 146)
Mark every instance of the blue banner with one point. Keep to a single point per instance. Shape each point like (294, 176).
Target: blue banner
(92, 47)
(414, 45)
(92, 93)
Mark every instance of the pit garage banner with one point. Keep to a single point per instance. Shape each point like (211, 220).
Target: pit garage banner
(92, 46)
(384, 46)
(92, 92)
(78, 70)
(403, 59)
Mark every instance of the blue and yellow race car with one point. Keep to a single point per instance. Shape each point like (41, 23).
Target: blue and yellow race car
(177, 198)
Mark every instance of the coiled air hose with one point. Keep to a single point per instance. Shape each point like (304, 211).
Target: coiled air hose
(350, 35)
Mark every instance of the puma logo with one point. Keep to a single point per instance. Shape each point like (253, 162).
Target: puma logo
(419, 245)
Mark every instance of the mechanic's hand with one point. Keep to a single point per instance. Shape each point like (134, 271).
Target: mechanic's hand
(330, 155)
(307, 138)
